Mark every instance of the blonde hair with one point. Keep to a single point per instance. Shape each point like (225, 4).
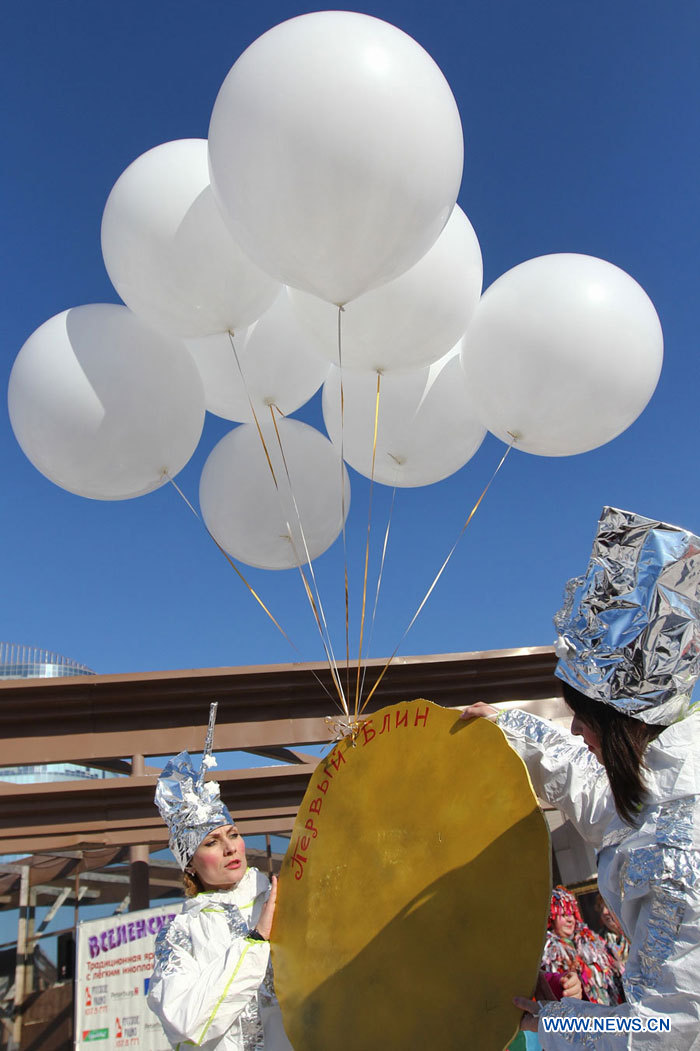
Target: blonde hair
(192, 884)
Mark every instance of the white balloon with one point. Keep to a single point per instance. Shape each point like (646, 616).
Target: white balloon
(413, 320)
(268, 525)
(427, 428)
(563, 353)
(270, 366)
(104, 406)
(335, 152)
(168, 251)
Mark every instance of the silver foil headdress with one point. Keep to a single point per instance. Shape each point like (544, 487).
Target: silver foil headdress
(629, 630)
(190, 807)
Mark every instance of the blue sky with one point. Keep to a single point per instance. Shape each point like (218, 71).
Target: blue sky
(581, 135)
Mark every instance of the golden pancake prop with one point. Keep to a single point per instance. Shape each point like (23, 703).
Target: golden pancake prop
(414, 895)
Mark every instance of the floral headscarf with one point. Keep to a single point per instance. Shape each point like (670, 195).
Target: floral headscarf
(584, 952)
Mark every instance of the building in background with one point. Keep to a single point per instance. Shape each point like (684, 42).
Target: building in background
(30, 662)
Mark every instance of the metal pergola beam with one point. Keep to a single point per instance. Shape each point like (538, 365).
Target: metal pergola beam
(271, 710)
(106, 717)
(80, 814)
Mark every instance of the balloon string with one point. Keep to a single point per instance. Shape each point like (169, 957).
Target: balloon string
(342, 497)
(316, 606)
(380, 577)
(290, 533)
(369, 530)
(230, 560)
(245, 582)
(252, 408)
(440, 572)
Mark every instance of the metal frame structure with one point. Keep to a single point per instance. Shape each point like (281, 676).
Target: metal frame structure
(270, 710)
(81, 833)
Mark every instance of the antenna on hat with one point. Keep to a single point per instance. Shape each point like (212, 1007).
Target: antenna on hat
(208, 759)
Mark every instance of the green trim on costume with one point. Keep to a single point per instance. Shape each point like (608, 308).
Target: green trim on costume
(221, 998)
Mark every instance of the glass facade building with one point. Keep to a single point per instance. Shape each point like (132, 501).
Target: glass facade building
(30, 662)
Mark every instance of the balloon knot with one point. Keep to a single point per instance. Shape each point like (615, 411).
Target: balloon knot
(343, 727)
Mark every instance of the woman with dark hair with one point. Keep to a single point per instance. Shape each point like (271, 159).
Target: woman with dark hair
(629, 655)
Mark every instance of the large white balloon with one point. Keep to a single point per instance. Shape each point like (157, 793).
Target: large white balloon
(563, 353)
(169, 253)
(335, 152)
(413, 320)
(104, 406)
(256, 520)
(276, 367)
(427, 428)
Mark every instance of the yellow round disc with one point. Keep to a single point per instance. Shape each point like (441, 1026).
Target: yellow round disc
(414, 896)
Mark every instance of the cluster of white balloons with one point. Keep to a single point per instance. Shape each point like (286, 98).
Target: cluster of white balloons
(332, 167)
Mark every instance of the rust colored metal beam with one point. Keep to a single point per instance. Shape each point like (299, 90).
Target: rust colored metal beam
(78, 814)
(159, 713)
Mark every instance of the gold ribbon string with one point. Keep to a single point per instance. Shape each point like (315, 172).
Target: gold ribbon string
(440, 572)
(329, 654)
(341, 308)
(230, 561)
(380, 577)
(316, 606)
(252, 407)
(245, 582)
(369, 530)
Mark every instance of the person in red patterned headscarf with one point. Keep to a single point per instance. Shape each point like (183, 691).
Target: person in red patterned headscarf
(571, 946)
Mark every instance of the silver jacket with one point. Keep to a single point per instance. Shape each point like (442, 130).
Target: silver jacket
(649, 876)
(212, 984)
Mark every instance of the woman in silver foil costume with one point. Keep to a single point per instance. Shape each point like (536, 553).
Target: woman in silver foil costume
(212, 984)
(629, 652)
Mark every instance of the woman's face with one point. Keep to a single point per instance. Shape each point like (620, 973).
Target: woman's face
(220, 860)
(564, 925)
(609, 919)
(590, 737)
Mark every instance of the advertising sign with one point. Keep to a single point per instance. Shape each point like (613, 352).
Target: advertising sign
(113, 966)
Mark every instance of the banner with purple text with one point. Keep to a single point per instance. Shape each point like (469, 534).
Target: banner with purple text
(114, 963)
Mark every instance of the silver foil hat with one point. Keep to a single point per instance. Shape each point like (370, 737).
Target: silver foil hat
(190, 807)
(629, 630)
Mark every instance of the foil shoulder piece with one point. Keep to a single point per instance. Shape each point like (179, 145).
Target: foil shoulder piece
(674, 824)
(671, 878)
(661, 865)
(237, 925)
(615, 836)
(629, 629)
(530, 726)
(668, 909)
(559, 744)
(172, 942)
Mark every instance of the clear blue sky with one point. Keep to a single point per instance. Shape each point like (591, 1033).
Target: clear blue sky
(581, 135)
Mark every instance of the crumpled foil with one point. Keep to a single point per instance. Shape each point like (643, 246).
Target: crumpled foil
(629, 629)
(190, 807)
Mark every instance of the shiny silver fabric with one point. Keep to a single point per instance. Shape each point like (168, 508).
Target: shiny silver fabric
(190, 808)
(170, 942)
(649, 875)
(629, 629)
(212, 987)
